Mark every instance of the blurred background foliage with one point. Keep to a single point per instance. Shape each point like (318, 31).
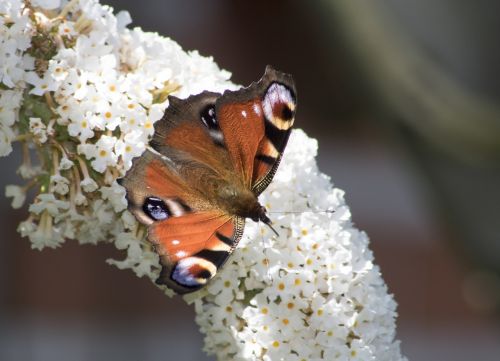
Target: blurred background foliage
(403, 97)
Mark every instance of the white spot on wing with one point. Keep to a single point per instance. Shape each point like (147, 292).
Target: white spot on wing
(256, 109)
(162, 156)
(174, 207)
(176, 242)
(181, 254)
(217, 135)
(221, 246)
(142, 217)
(244, 113)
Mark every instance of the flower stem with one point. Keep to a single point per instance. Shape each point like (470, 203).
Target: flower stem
(22, 137)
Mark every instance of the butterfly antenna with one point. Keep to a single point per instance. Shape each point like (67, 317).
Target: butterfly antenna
(302, 212)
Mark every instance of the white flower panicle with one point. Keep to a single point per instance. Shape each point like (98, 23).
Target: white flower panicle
(311, 293)
(80, 92)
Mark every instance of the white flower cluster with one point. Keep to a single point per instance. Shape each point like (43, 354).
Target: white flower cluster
(81, 92)
(313, 293)
(15, 39)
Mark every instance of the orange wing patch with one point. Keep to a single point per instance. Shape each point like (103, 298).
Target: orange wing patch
(243, 129)
(181, 237)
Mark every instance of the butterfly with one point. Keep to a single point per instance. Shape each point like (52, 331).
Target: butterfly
(210, 157)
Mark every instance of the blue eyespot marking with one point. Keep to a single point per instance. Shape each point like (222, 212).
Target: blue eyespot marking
(155, 208)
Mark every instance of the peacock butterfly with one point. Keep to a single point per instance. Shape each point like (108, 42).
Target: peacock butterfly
(209, 159)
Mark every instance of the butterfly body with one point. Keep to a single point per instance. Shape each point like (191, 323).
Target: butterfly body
(209, 159)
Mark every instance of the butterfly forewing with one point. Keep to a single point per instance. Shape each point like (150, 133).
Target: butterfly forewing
(256, 122)
(192, 239)
(193, 247)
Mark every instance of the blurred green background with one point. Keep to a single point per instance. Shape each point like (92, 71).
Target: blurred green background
(403, 97)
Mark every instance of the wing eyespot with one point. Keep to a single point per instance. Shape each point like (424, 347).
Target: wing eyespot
(287, 113)
(208, 117)
(155, 209)
(279, 106)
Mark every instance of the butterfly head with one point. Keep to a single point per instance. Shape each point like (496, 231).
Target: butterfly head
(261, 215)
